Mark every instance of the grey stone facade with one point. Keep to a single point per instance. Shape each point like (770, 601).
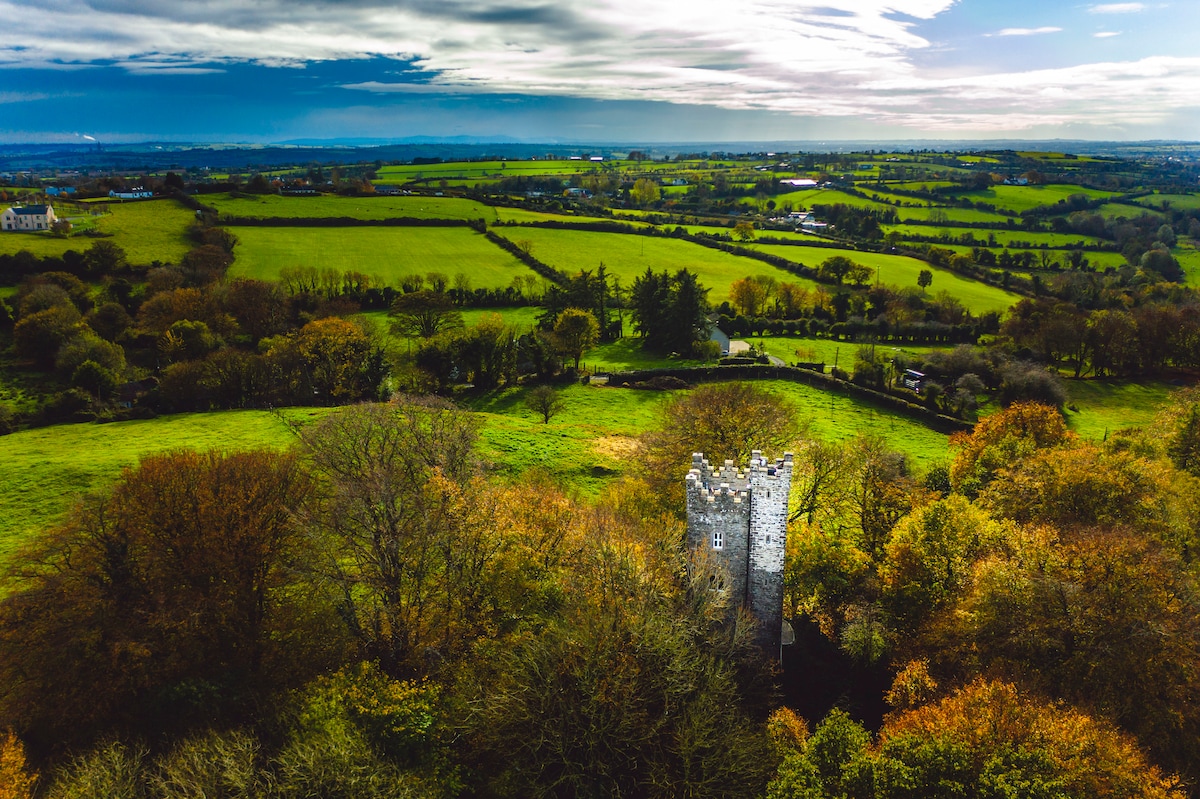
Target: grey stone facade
(738, 518)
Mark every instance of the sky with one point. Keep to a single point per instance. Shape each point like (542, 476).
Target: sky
(647, 71)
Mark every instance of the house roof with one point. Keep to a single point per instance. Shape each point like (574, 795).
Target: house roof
(31, 210)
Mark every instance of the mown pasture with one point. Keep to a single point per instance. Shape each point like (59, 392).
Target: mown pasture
(942, 213)
(321, 206)
(1026, 198)
(147, 230)
(1125, 211)
(628, 256)
(829, 351)
(1004, 238)
(902, 271)
(1181, 202)
(386, 253)
(1098, 408)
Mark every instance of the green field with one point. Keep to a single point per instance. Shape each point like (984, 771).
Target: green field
(1123, 211)
(628, 257)
(1013, 239)
(148, 231)
(481, 169)
(841, 353)
(331, 205)
(927, 213)
(42, 471)
(1024, 198)
(1105, 406)
(583, 445)
(900, 270)
(1181, 202)
(387, 253)
(1189, 258)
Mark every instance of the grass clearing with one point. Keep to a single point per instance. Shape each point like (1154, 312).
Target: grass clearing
(1105, 406)
(324, 206)
(901, 270)
(628, 257)
(388, 253)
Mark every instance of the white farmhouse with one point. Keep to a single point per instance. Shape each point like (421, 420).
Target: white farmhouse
(27, 217)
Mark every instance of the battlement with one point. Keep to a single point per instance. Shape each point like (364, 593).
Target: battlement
(738, 516)
(704, 476)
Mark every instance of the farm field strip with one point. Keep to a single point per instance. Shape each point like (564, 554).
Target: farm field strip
(388, 253)
(378, 207)
(1182, 202)
(1004, 238)
(628, 257)
(901, 270)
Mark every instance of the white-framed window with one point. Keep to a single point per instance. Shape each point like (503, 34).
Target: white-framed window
(718, 539)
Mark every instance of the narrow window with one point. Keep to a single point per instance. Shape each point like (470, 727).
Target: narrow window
(718, 540)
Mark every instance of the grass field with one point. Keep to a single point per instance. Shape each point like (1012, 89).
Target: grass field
(1004, 238)
(1105, 406)
(841, 353)
(900, 270)
(43, 471)
(628, 257)
(1189, 258)
(925, 213)
(1123, 211)
(148, 231)
(481, 169)
(330, 205)
(1182, 202)
(584, 445)
(1024, 198)
(388, 253)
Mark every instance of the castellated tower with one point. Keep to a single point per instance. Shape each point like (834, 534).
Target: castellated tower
(739, 518)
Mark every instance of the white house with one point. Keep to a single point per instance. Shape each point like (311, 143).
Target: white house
(137, 194)
(27, 217)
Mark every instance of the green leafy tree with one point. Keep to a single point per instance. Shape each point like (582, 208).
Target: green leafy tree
(424, 314)
(575, 331)
(545, 402)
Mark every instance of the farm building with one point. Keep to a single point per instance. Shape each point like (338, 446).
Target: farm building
(27, 217)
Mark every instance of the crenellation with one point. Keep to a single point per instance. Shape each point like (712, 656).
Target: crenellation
(742, 524)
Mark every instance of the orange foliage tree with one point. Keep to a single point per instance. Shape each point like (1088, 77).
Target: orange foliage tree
(167, 602)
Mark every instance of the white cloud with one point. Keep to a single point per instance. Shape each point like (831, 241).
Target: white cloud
(1028, 31)
(1106, 34)
(833, 58)
(1117, 8)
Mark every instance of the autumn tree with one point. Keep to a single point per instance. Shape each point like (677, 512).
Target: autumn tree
(411, 539)
(721, 420)
(645, 192)
(167, 602)
(1002, 439)
(744, 231)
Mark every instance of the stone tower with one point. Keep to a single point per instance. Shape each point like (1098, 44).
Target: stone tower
(739, 518)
